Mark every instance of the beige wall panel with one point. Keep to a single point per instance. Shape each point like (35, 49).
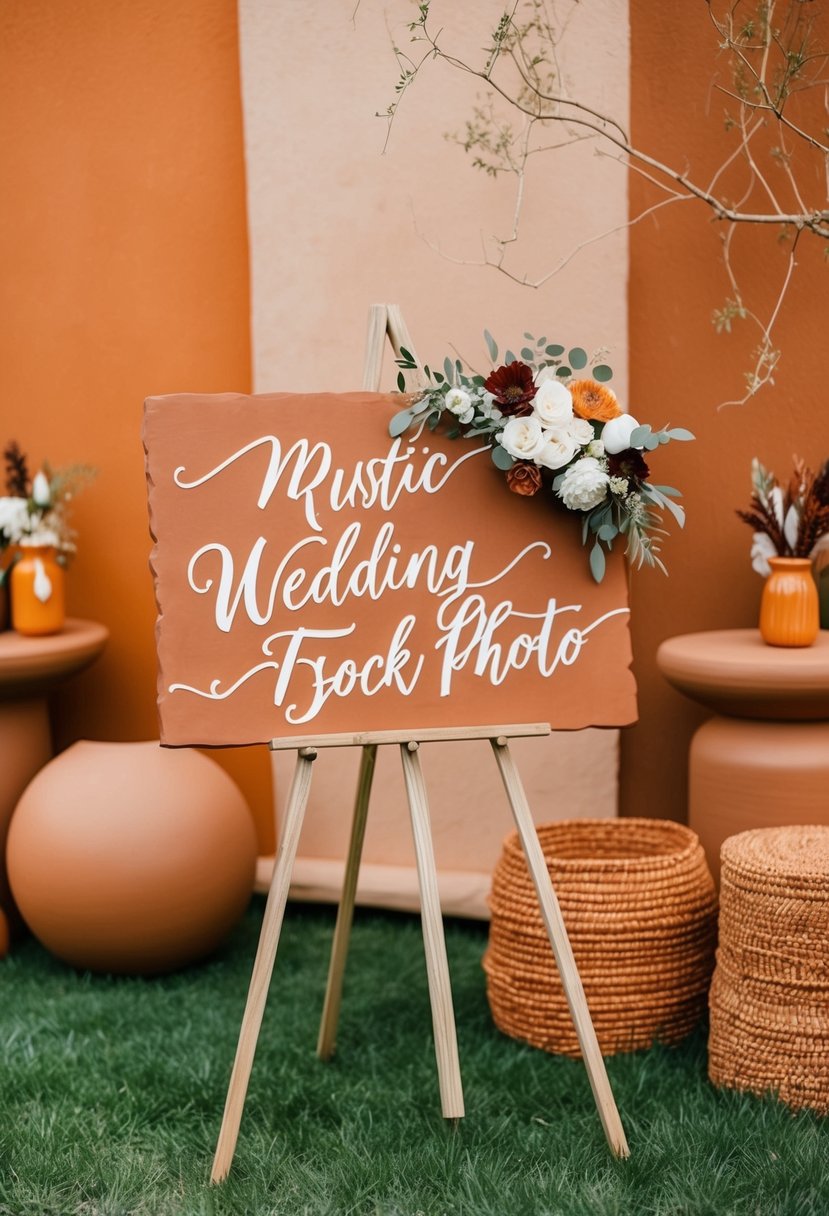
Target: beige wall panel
(337, 224)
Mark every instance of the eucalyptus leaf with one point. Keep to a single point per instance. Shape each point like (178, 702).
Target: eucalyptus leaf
(433, 420)
(447, 369)
(529, 337)
(407, 355)
(608, 532)
(555, 351)
(400, 423)
(602, 372)
(564, 372)
(509, 357)
(651, 442)
(597, 562)
(680, 433)
(501, 458)
(577, 358)
(639, 435)
(669, 490)
(541, 342)
(527, 355)
(491, 346)
(438, 378)
(401, 382)
(653, 494)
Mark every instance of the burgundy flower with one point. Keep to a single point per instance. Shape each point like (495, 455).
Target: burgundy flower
(513, 389)
(524, 478)
(630, 464)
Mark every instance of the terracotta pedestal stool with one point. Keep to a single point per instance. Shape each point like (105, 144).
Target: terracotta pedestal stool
(763, 761)
(29, 669)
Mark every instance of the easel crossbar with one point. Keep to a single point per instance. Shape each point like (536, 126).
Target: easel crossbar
(432, 734)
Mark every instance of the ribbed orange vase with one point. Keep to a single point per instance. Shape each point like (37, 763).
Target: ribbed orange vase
(789, 613)
(37, 592)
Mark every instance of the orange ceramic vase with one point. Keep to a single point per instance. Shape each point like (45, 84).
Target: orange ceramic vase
(37, 592)
(789, 613)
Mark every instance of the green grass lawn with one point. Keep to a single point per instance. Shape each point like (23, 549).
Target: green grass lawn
(113, 1090)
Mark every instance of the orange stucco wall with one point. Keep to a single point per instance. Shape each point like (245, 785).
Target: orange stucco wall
(680, 370)
(124, 254)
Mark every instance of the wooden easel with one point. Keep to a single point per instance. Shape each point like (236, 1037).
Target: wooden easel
(386, 320)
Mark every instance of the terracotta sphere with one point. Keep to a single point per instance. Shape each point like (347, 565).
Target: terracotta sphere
(131, 858)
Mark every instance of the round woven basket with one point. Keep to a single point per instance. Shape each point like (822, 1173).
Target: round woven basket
(639, 905)
(769, 997)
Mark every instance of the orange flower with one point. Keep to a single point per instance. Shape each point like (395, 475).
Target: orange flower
(524, 478)
(593, 401)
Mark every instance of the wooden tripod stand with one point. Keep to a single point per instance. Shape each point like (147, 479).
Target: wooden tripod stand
(386, 320)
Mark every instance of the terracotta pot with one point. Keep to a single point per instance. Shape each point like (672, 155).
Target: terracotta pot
(131, 858)
(37, 592)
(789, 607)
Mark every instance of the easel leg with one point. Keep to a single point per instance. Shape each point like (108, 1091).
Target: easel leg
(570, 978)
(437, 965)
(263, 965)
(327, 1040)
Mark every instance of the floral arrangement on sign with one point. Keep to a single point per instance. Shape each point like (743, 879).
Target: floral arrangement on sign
(553, 432)
(790, 522)
(35, 510)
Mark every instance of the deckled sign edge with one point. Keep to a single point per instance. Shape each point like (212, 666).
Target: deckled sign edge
(157, 401)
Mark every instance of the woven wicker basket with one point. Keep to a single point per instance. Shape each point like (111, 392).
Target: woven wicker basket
(640, 909)
(770, 993)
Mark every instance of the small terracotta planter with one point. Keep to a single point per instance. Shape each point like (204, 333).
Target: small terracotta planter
(37, 592)
(789, 611)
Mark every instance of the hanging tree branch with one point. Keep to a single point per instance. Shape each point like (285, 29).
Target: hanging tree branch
(774, 57)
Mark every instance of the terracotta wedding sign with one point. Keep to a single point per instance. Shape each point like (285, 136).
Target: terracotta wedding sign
(314, 576)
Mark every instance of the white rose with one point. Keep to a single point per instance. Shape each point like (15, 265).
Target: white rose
(553, 404)
(544, 374)
(584, 485)
(559, 448)
(523, 438)
(580, 430)
(458, 402)
(762, 548)
(14, 518)
(617, 432)
(596, 448)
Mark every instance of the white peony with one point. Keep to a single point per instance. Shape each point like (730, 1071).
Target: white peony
(14, 519)
(584, 485)
(617, 432)
(459, 403)
(523, 438)
(559, 448)
(553, 404)
(762, 548)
